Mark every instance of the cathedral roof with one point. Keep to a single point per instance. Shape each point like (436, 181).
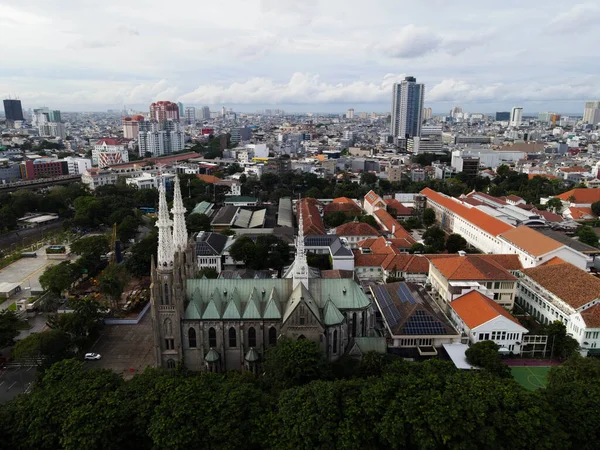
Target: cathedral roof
(252, 355)
(332, 315)
(211, 356)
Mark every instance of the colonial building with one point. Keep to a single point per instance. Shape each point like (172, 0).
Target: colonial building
(224, 324)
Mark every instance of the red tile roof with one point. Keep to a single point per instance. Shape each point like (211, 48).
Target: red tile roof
(356, 229)
(475, 216)
(400, 209)
(531, 241)
(475, 309)
(531, 176)
(574, 169)
(108, 141)
(582, 196)
(210, 179)
(311, 218)
(471, 267)
(580, 213)
(350, 209)
(372, 197)
(548, 215)
(368, 260)
(554, 261)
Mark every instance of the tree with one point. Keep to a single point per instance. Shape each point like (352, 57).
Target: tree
(269, 181)
(112, 281)
(428, 217)
(138, 262)
(560, 344)
(59, 278)
(596, 208)
(368, 178)
(10, 324)
(88, 211)
(335, 219)
(208, 272)
(90, 251)
(587, 235)
(434, 239)
(84, 321)
(456, 243)
(47, 347)
(416, 248)
(485, 354)
(313, 192)
(365, 218)
(554, 204)
(294, 363)
(197, 222)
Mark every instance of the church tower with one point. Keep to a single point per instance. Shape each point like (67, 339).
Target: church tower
(166, 306)
(180, 235)
(300, 269)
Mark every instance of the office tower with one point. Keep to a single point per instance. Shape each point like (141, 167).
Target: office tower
(503, 116)
(190, 115)
(591, 113)
(205, 113)
(427, 113)
(160, 139)
(350, 114)
(223, 111)
(131, 126)
(180, 106)
(54, 116)
(456, 112)
(13, 110)
(163, 111)
(407, 108)
(240, 134)
(516, 116)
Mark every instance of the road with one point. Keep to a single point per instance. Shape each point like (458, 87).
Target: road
(28, 236)
(14, 381)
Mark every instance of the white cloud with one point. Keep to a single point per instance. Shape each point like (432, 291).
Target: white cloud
(575, 19)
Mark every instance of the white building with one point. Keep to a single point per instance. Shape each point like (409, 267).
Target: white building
(560, 291)
(190, 115)
(78, 165)
(482, 319)
(258, 150)
(160, 139)
(591, 113)
(108, 152)
(516, 116)
(149, 181)
(95, 177)
(53, 129)
(350, 114)
(487, 157)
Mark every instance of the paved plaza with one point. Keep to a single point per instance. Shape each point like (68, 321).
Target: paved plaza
(125, 349)
(14, 381)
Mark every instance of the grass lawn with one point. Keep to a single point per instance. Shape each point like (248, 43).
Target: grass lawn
(531, 378)
(12, 307)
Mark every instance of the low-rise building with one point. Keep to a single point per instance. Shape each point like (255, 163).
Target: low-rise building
(354, 232)
(96, 177)
(209, 250)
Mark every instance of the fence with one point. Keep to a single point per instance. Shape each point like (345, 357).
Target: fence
(128, 321)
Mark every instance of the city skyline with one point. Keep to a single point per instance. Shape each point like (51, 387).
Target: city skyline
(309, 56)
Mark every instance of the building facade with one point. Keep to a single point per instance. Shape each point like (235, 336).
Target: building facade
(163, 111)
(13, 110)
(407, 108)
(108, 152)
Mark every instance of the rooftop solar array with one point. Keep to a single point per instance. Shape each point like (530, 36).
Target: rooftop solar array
(386, 304)
(422, 323)
(318, 241)
(405, 295)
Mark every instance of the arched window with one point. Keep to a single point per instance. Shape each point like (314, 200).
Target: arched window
(335, 342)
(364, 323)
(251, 337)
(301, 337)
(272, 336)
(170, 364)
(192, 338)
(353, 324)
(212, 337)
(168, 327)
(232, 337)
(166, 300)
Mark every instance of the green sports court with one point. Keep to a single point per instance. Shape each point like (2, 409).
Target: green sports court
(531, 378)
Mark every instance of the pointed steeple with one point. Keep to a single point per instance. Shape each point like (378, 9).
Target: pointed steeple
(180, 235)
(165, 236)
(300, 273)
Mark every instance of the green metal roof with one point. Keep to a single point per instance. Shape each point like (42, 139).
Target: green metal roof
(192, 311)
(252, 355)
(211, 356)
(371, 344)
(301, 295)
(252, 310)
(202, 208)
(272, 310)
(332, 315)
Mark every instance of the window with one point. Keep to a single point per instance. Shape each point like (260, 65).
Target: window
(170, 364)
(232, 337)
(481, 336)
(170, 344)
(335, 339)
(353, 324)
(166, 300)
(503, 335)
(486, 336)
(496, 296)
(272, 336)
(192, 338)
(497, 285)
(212, 337)
(251, 337)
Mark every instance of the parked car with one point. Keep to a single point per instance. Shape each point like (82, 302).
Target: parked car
(92, 356)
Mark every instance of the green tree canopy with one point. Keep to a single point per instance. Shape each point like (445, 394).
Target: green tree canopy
(560, 344)
(112, 281)
(138, 262)
(60, 277)
(456, 243)
(485, 354)
(198, 222)
(368, 178)
(47, 347)
(434, 239)
(555, 205)
(428, 217)
(587, 235)
(596, 208)
(10, 324)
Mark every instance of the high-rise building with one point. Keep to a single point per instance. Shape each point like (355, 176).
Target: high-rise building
(52, 129)
(223, 111)
(54, 116)
(160, 139)
(516, 116)
(163, 111)
(131, 126)
(108, 152)
(180, 106)
(456, 112)
(503, 116)
(190, 115)
(205, 113)
(591, 113)
(407, 108)
(427, 113)
(13, 110)
(350, 114)
(240, 134)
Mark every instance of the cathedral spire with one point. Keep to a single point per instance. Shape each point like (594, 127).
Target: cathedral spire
(165, 237)
(180, 236)
(300, 273)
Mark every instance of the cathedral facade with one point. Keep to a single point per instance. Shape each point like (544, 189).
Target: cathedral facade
(228, 324)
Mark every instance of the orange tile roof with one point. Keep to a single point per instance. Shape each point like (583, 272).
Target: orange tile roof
(574, 169)
(475, 309)
(475, 216)
(579, 213)
(471, 267)
(582, 196)
(531, 176)
(574, 286)
(344, 200)
(372, 197)
(401, 210)
(210, 179)
(554, 261)
(350, 209)
(356, 229)
(311, 218)
(531, 241)
(368, 260)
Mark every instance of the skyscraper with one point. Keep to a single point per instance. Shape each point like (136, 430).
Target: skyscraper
(205, 113)
(591, 113)
(13, 110)
(54, 116)
(516, 116)
(180, 106)
(350, 114)
(190, 115)
(162, 111)
(407, 108)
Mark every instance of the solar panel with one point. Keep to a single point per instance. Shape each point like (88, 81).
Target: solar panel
(422, 323)
(388, 308)
(405, 295)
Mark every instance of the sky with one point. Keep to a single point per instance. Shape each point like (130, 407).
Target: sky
(299, 55)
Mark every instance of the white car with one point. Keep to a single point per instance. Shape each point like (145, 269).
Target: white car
(92, 356)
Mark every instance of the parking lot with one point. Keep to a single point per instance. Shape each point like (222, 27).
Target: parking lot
(125, 349)
(14, 381)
